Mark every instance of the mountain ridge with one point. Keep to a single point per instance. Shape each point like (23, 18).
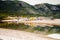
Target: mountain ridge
(45, 9)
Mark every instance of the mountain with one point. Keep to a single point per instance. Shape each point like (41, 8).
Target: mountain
(48, 9)
(22, 8)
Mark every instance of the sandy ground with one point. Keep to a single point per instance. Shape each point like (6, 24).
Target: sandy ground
(8, 34)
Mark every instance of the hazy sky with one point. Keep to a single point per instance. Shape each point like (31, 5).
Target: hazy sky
(33, 2)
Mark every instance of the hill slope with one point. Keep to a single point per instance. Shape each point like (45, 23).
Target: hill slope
(18, 8)
(48, 9)
(22, 8)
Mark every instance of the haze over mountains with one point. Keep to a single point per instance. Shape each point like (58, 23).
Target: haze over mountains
(23, 8)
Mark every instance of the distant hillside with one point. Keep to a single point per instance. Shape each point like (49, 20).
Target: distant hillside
(11, 7)
(48, 9)
(21, 8)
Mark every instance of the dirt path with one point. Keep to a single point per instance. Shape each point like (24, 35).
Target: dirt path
(7, 34)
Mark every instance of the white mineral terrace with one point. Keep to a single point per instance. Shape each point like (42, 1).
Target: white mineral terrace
(49, 22)
(55, 36)
(7, 34)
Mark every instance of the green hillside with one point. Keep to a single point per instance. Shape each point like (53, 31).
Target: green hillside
(21, 8)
